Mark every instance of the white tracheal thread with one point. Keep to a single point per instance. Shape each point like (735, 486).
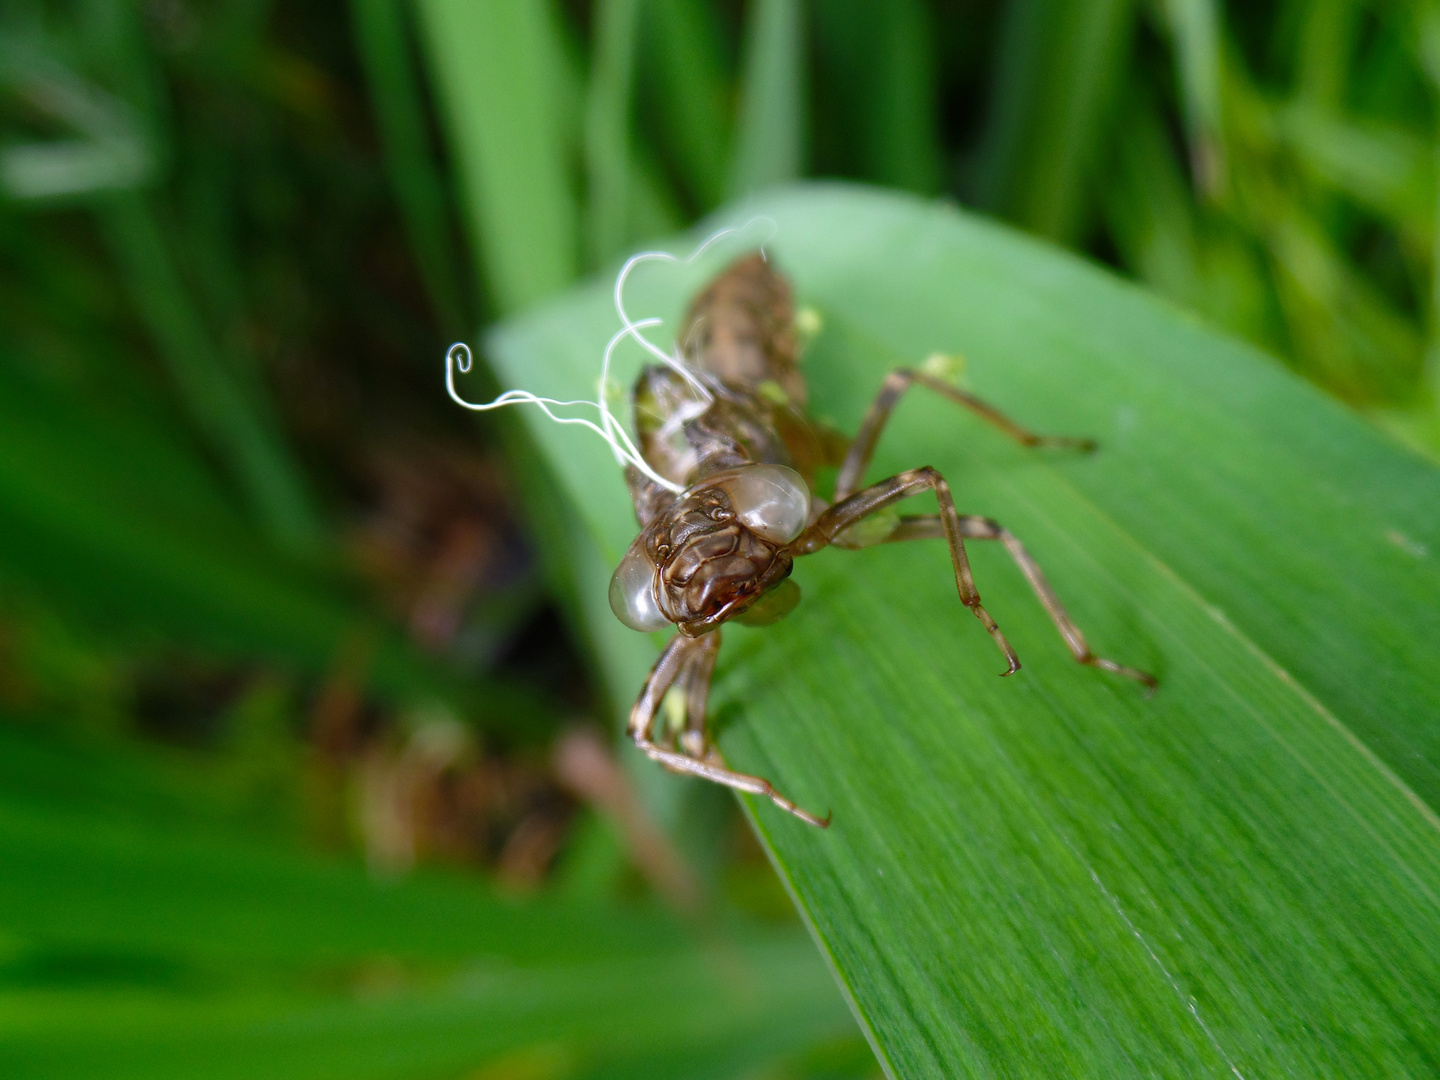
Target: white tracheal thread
(610, 429)
(1188, 1001)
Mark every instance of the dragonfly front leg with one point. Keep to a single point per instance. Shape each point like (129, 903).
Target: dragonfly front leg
(694, 681)
(688, 663)
(877, 497)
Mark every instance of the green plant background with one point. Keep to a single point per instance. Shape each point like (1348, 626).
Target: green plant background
(237, 239)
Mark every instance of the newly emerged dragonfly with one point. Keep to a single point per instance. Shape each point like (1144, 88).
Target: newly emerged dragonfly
(722, 480)
(744, 456)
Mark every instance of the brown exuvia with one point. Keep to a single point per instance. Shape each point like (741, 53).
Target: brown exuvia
(733, 432)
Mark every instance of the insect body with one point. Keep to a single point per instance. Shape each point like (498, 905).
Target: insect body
(730, 431)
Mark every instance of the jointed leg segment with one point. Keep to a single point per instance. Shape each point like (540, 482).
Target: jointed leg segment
(974, 527)
(689, 662)
(896, 383)
(847, 512)
(852, 506)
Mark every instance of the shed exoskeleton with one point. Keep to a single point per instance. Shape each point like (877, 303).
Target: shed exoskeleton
(724, 547)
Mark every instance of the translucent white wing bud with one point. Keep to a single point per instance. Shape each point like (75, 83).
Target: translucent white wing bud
(632, 592)
(769, 500)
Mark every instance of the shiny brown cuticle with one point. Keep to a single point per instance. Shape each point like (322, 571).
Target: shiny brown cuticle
(723, 548)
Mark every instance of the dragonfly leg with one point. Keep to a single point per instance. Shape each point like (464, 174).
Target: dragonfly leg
(685, 665)
(695, 681)
(672, 663)
(689, 663)
(896, 383)
(845, 513)
(713, 768)
(974, 527)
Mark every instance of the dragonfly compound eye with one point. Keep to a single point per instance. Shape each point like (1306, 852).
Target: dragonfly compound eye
(632, 592)
(769, 500)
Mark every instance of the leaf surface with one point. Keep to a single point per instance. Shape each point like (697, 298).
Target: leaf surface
(1051, 874)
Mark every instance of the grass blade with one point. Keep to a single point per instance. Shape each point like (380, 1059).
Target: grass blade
(152, 950)
(499, 74)
(875, 61)
(1326, 42)
(229, 409)
(1059, 71)
(1148, 210)
(1353, 338)
(1051, 875)
(232, 420)
(116, 523)
(1195, 26)
(1383, 167)
(383, 35)
(770, 135)
(677, 1018)
(681, 47)
(1150, 215)
(607, 126)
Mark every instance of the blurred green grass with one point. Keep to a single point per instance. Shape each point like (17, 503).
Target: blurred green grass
(238, 237)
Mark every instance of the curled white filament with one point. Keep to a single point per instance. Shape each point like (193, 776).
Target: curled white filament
(458, 356)
(610, 429)
(671, 359)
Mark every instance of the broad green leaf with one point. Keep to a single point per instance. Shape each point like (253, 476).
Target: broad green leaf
(1051, 874)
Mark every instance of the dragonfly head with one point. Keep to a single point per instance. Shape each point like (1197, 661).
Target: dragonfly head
(719, 551)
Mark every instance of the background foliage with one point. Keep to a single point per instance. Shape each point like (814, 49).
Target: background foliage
(257, 576)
